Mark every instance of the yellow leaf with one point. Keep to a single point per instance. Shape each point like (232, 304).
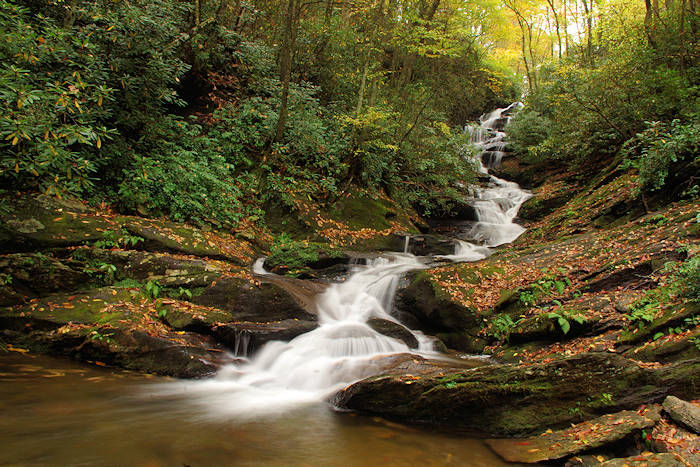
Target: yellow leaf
(36, 174)
(15, 349)
(99, 143)
(16, 168)
(15, 140)
(99, 101)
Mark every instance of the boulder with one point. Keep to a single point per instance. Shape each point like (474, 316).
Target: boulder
(244, 337)
(646, 459)
(165, 236)
(118, 327)
(254, 302)
(168, 270)
(35, 275)
(592, 434)
(520, 399)
(395, 330)
(682, 412)
(419, 304)
(40, 222)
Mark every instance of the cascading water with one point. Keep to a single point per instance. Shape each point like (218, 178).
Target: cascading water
(497, 203)
(343, 348)
(316, 364)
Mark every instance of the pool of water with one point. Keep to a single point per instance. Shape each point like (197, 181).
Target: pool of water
(58, 412)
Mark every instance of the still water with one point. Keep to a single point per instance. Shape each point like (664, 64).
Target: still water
(58, 412)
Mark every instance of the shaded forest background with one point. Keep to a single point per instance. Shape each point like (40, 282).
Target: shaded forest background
(215, 111)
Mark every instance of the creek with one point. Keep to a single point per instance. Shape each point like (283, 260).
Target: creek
(270, 408)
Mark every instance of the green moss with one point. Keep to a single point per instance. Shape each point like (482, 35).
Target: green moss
(300, 255)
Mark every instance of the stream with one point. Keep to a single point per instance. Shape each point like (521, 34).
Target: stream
(270, 409)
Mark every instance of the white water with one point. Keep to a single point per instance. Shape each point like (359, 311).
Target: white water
(342, 350)
(497, 203)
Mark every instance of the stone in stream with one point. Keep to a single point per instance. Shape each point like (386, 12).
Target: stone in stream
(682, 412)
(395, 330)
(246, 337)
(516, 399)
(553, 445)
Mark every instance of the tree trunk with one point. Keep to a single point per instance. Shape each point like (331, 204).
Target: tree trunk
(556, 24)
(286, 67)
(71, 15)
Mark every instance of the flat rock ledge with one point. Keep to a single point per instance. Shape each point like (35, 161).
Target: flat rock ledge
(684, 413)
(520, 400)
(553, 445)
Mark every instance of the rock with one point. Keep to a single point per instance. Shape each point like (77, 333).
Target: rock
(39, 222)
(247, 301)
(426, 245)
(436, 314)
(166, 236)
(244, 337)
(114, 326)
(297, 257)
(667, 349)
(601, 431)
(683, 412)
(519, 399)
(671, 317)
(168, 270)
(668, 437)
(35, 275)
(395, 330)
(646, 459)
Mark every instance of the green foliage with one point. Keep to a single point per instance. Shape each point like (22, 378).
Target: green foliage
(501, 326)
(101, 271)
(687, 278)
(153, 289)
(117, 239)
(528, 133)
(562, 318)
(659, 149)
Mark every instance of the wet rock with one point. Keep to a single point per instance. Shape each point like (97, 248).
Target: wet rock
(521, 399)
(436, 314)
(35, 275)
(245, 337)
(168, 270)
(395, 330)
(586, 436)
(645, 460)
(39, 222)
(166, 236)
(682, 412)
(297, 257)
(247, 301)
(425, 245)
(114, 326)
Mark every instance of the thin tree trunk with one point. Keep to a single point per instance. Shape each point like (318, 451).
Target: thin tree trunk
(285, 67)
(556, 24)
(71, 15)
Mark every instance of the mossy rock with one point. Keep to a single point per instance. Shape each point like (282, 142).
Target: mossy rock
(361, 211)
(39, 222)
(668, 349)
(166, 236)
(142, 266)
(253, 302)
(521, 399)
(293, 257)
(672, 317)
(27, 275)
(422, 302)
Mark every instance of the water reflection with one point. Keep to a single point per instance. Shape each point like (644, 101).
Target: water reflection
(56, 412)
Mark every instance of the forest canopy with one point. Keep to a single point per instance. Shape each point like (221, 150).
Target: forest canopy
(259, 102)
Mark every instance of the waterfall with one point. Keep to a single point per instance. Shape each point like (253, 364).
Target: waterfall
(314, 365)
(343, 348)
(496, 204)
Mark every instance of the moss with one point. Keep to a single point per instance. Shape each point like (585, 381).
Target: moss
(300, 256)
